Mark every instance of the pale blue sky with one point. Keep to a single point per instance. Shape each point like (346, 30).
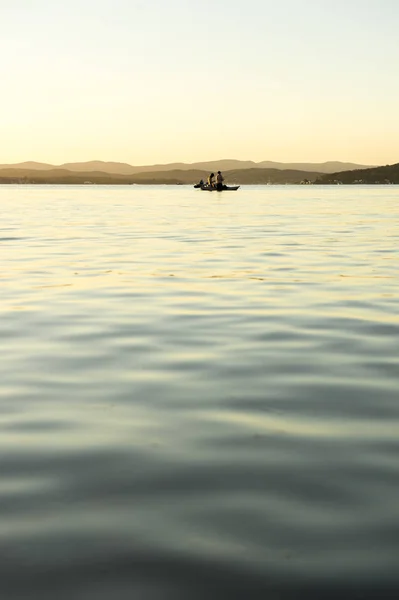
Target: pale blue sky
(183, 80)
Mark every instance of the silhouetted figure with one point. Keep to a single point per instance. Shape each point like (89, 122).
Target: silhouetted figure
(219, 181)
(211, 180)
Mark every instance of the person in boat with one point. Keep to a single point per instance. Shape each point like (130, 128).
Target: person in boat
(219, 181)
(211, 180)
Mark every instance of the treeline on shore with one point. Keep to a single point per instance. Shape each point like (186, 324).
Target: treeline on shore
(374, 176)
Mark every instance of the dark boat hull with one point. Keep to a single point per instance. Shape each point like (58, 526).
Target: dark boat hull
(226, 188)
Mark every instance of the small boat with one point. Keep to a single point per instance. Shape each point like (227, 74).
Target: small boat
(226, 188)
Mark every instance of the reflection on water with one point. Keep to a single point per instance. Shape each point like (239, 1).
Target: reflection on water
(199, 395)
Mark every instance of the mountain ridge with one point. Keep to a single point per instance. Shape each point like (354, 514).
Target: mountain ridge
(222, 164)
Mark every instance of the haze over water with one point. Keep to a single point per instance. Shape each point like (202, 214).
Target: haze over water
(199, 392)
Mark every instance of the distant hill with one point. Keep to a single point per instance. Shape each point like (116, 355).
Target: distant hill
(223, 165)
(104, 167)
(63, 176)
(29, 165)
(326, 167)
(387, 174)
(240, 176)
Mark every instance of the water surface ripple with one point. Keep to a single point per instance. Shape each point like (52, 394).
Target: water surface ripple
(199, 393)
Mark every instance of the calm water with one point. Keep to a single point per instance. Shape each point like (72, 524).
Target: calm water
(199, 393)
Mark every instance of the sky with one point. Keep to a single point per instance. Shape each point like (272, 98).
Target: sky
(158, 81)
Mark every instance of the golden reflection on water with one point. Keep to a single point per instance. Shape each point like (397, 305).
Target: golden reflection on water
(310, 428)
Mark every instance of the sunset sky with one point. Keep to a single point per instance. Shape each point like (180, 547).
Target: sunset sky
(156, 81)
